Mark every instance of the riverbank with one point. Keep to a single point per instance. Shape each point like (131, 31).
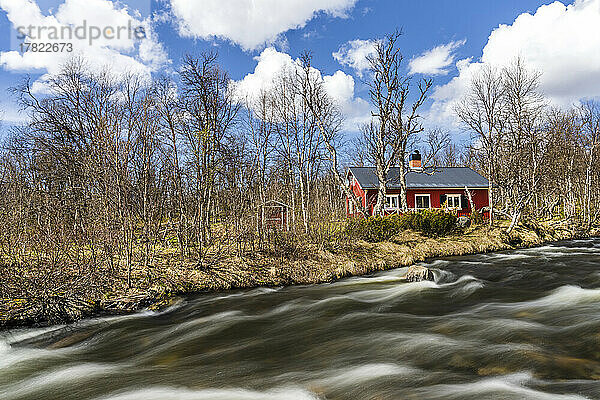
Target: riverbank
(519, 324)
(38, 296)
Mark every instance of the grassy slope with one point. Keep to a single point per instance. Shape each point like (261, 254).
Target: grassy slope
(306, 264)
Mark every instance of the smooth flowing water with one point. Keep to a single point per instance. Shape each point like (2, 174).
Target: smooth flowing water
(512, 325)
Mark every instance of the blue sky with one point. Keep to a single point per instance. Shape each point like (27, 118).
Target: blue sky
(446, 40)
(426, 24)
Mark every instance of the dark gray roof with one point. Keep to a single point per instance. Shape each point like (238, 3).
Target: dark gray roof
(442, 177)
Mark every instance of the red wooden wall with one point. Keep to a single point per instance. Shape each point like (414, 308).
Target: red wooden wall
(480, 198)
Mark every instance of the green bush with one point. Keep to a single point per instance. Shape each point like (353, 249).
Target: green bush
(432, 222)
(372, 229)
(378, 229)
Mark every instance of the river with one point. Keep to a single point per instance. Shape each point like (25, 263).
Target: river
(511, 325)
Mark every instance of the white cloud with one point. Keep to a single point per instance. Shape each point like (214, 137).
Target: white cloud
(435, 61)
(446, 96)
(354, 54)
(560, 41)
(250, 24)
(122, 53)
(270, 63)
(340, 86)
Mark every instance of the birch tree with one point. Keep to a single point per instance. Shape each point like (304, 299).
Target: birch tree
(329, 121)
(396, 121)
(525, 142)
(210, 113)
(300, 141)
(589, 136)
(483, 112)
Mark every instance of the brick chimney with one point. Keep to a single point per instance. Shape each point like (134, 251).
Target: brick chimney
(414, 161)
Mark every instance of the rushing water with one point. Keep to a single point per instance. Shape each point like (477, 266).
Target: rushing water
(513, 325)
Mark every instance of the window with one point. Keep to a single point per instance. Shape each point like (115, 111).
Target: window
(453, 200)
(391, 201)
(422, 201)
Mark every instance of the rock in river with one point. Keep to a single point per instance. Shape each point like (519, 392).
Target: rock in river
(418, 273)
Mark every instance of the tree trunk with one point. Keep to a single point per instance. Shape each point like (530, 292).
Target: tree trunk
(403, 200)
(303, 203)
(381, 190)
(470, 198)
(514, 221)
(491, 193)
(587, 216)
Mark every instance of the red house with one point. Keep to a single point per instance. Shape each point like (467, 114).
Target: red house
(444, 187)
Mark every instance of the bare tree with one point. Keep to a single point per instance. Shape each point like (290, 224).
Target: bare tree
(300, 140)
(395, 121)
(329, 121)
(525, 144)
(483, 112)
(170, 120)
(589, 117)
(210, 112)
(261, 125)
(437, 143)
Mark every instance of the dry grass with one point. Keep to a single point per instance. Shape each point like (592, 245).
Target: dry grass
(29, 294)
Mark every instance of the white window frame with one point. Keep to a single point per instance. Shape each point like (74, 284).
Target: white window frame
(423, 195)
(454, 196)
(391, 196)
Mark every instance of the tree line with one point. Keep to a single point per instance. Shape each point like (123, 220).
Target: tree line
(543, 160)
(116, 171)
